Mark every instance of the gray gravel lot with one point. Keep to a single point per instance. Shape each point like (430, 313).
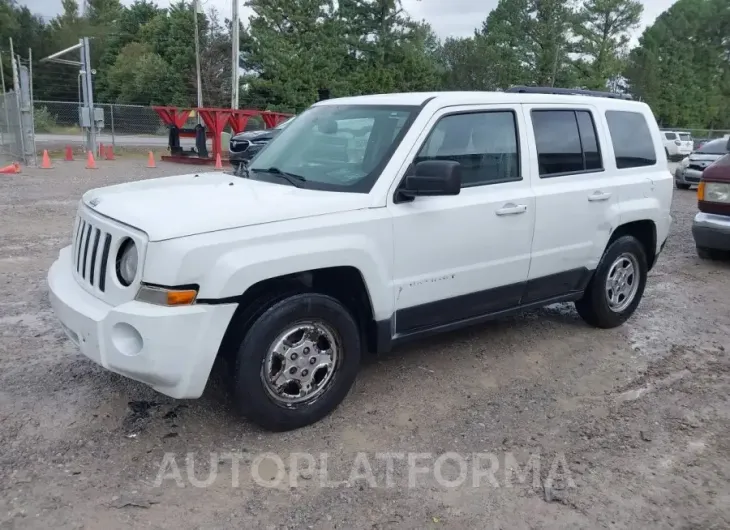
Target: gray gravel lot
(639, 415)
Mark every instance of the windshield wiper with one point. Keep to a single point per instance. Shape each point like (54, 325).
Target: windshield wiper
(293, 179)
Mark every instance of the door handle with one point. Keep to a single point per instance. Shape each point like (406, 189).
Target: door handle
(512, 209)
(599, 196)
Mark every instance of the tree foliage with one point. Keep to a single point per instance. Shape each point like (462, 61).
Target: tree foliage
(145, 54)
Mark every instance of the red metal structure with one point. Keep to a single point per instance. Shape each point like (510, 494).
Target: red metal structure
(215, 121)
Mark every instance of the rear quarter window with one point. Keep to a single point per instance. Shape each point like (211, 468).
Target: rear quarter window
(631, 138)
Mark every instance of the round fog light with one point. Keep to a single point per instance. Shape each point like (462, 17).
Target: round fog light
(126, 339)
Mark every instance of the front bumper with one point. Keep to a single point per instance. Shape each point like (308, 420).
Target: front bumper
(687, 176)
(711, 231)
(171, 349)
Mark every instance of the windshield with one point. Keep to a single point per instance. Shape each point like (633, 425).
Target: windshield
(334, 147)
(284, 124)
(715, 147)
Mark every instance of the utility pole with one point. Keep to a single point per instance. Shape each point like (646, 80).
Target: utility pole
(88, 91)
(236, 50)
(197, 55)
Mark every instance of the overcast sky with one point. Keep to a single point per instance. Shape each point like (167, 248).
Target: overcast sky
(449, 18)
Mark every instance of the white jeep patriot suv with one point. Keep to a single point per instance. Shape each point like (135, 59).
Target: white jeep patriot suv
(369, 221)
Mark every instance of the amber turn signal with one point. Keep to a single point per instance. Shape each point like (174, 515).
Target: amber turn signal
(181, 297)
(701, 191)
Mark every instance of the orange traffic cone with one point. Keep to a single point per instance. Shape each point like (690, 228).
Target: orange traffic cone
(218, 164)
(11, 169)
(151, 160)
(46, 162)
(90, 162)
(110, 152)
(101, 152)
(69, 154)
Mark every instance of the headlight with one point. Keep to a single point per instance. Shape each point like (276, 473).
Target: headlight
(684, 162)
(715, 192)
(127, 262)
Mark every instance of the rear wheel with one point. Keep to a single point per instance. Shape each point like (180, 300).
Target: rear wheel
(297, 362)
(617, 286)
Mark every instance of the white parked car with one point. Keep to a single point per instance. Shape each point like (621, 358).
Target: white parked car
(677, 144)
(463, 207)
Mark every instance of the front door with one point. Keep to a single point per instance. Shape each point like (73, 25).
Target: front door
(463, 256)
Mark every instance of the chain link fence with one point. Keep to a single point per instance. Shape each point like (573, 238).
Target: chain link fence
(57, 124)
(11, 135)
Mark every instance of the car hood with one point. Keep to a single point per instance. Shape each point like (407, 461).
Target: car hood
(695, 157)
(170, 207)
(266, 134)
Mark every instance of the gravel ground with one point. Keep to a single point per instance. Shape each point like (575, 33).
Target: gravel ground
(625, 428)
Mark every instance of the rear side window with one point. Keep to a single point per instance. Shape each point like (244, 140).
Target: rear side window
(566, 142)
(670, 136)
(631, 138)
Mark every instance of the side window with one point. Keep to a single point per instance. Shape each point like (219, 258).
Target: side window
(484, 143)
(589, 141)
(566, 142)
(670, 136)
(631, 138)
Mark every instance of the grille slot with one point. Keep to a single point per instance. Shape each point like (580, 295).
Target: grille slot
(91, 253)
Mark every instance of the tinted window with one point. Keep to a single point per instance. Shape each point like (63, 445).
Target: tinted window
(589, 141)
(715, 147)
(484, 143)
(670, 136)
(632, 142)
(566, 142)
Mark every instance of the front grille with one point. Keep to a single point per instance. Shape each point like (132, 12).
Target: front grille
(239, 146)
(91, 253)
(696, 167)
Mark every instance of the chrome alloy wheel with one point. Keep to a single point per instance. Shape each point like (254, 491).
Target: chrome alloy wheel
(301, 362)
(622, 282)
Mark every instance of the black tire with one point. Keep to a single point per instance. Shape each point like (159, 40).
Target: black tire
(251, 395)
(593, 307)
(681, 186)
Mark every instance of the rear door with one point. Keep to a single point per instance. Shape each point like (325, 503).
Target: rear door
(575, 198)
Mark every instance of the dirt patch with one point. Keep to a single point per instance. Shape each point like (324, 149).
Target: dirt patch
(534, 421)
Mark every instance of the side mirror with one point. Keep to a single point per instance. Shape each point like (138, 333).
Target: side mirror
(433, 177)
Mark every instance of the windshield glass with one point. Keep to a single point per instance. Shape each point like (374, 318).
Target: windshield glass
(284, 124)
(334, 147)
(715, 147)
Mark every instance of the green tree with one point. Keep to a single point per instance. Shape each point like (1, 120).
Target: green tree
(530, 42)
(685, 80)
(602, 28)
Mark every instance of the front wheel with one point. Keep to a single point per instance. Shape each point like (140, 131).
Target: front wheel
(681, 185)
(297, 362)
(617, 286)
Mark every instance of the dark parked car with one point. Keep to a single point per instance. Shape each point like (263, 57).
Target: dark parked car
(245, 145)
(711, 226)
(689, 171)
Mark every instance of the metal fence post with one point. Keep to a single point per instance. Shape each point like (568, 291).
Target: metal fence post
(32, 106)
(111, 117)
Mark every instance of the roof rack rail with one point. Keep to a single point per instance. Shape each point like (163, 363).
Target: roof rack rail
(567, 91)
